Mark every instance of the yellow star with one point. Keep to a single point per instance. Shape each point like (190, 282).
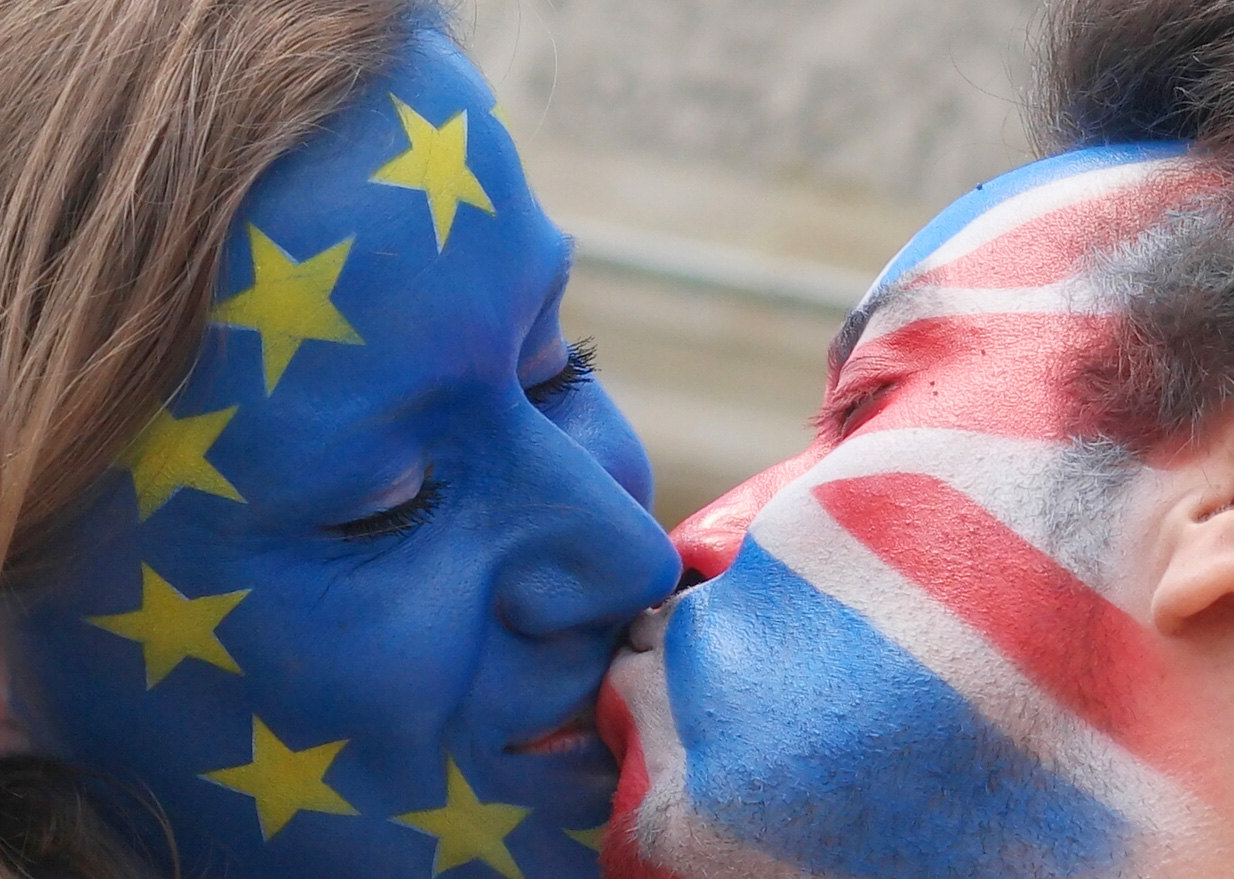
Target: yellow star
(437, 164)
(172, 628)
(467, 830)
(289, 302)
(284, 782)
(592, 839)
(170, 454)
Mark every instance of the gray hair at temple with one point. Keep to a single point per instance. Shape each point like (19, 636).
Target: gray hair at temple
(1118, 71)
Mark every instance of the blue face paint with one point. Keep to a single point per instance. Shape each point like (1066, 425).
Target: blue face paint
(332, 604)
(811, 734)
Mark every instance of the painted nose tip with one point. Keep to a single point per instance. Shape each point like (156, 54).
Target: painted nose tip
(708, 541)
(705, 553)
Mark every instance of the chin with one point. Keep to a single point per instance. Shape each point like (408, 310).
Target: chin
(654, 832)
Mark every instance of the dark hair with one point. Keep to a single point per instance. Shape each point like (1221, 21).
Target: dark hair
(1113, 71)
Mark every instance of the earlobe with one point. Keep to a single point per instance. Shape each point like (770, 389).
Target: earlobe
(1200, 569)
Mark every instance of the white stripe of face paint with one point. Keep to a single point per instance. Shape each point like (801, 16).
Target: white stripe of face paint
(1007, 215)
(1072, 295)
(1041, 490)
(1041, 200)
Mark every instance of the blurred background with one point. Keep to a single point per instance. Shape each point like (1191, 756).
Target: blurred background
(736, 173)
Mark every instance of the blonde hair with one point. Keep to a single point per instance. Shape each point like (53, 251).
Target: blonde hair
(131, 130)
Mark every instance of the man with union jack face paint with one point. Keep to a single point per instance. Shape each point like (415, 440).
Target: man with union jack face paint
(984, 626)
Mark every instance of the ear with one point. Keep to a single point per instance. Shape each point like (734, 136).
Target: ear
(1195, 537)
(1200, 569)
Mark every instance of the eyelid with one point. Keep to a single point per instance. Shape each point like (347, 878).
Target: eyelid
(398, 518)
(401, 490)
(579, 369)
(397, 521)
(861, 381)
(862, 407)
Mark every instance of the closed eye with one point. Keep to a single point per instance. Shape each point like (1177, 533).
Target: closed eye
(862, 409)
(399, 520)
(849, 412)
(579, 370)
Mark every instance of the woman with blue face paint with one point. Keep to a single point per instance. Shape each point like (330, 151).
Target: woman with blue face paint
(316, 527)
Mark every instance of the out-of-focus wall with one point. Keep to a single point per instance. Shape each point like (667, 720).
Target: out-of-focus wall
(912, 99)
(735, 170)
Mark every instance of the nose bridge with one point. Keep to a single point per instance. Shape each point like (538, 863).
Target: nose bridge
(708, 540)
(586, 553)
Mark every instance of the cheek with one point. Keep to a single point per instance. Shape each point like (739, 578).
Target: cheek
(591, 418)
(401, 631)
(786, 697)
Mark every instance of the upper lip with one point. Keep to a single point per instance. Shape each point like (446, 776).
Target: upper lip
(647, 630)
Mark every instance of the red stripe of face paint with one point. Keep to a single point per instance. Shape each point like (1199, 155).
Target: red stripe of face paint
(1088, 654)
(620, 857)
(1046, 249)
(1005, 374)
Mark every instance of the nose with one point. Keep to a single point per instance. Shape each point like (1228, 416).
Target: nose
(585, 554)
(708, 540)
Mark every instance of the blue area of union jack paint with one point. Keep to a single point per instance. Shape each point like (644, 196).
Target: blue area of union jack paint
(988, 195)
(819, 741)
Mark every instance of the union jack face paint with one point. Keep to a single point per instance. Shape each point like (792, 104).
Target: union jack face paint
(927, 650)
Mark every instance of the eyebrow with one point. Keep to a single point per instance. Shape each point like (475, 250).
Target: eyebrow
(856, 322)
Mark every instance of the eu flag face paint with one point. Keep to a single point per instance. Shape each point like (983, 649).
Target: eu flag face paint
(345, 605)
(919, 658)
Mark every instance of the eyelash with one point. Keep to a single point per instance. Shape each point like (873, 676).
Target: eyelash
(579, 370)
(411, 514)
(842, 413)
(397, 521)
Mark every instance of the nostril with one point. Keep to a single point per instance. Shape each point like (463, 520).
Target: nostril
(690, 578)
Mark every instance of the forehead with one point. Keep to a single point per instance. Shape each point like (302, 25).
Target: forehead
(397, 251)
(1019, 242)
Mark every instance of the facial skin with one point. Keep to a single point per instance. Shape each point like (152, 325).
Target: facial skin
(345, 606)
(958, 636)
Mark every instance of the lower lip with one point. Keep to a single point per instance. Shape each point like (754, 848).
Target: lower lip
(574, 735)
(562, 741)
(620, 855)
